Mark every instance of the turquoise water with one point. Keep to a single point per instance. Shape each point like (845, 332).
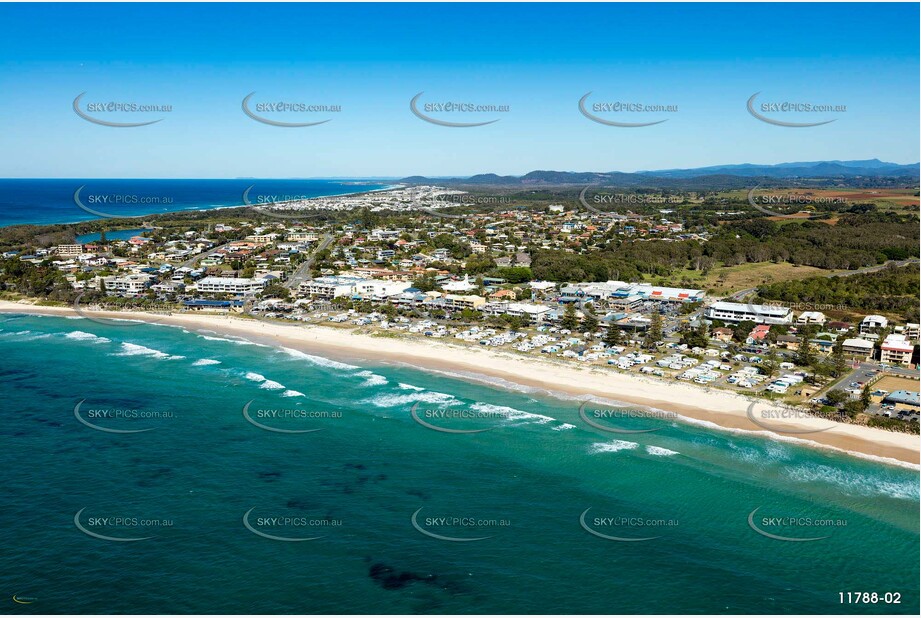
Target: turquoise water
(523, 484)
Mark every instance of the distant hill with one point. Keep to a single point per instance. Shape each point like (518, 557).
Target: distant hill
(852, 173)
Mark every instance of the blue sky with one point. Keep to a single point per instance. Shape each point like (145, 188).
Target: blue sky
(371, 59)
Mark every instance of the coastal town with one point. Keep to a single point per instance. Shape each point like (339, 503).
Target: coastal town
(468, 279)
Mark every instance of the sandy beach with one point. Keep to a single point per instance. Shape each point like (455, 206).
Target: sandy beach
(724, 409)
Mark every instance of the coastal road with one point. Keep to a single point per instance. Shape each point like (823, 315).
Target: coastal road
(740, 295)
(303, 271)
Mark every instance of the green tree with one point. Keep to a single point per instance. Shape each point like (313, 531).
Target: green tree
(838, 361)
(804, 355)
(837, 397)
(612, 337)
(654, 333)
(865, 398)
(570, 321)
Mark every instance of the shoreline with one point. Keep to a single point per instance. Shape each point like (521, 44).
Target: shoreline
(693, 405)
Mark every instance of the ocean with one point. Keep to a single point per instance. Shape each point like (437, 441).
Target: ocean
(265, 480)
(44, 201)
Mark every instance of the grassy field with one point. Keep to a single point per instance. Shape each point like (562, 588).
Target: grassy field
(725, 280)
(897, 200)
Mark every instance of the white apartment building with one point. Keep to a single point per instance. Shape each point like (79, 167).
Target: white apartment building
(69, 249)
(873, 322)
(231, 285)
(896, 350)
(130, 285)
(533, 312)
(378, 290)
(330, 287)
(739, 312)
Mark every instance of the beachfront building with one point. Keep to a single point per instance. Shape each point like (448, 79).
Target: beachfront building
(532, 312)
(896, 350)
(378, 290)
(131, 286)
(330, 287)
(231, 285)
(739, 312)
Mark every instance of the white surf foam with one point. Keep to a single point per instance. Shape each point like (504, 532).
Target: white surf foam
(203, 362)
(133, 349)
(372, 379)
(612, 447)
(392, 400)
(660, 451)
(79, 335)
(317, 360)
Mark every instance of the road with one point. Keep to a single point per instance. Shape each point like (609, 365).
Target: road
(740, 295)
(190, 263)
(303, 271)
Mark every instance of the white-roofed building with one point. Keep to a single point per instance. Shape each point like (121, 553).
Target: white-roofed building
(873, 322)
(739, 312)
(230, 285)
(896, 350)
(858, 348)
(811, 317)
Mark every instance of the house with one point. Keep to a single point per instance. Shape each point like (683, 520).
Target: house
(758, 335)
(788, 341)
(722, 334)
(811, 317)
